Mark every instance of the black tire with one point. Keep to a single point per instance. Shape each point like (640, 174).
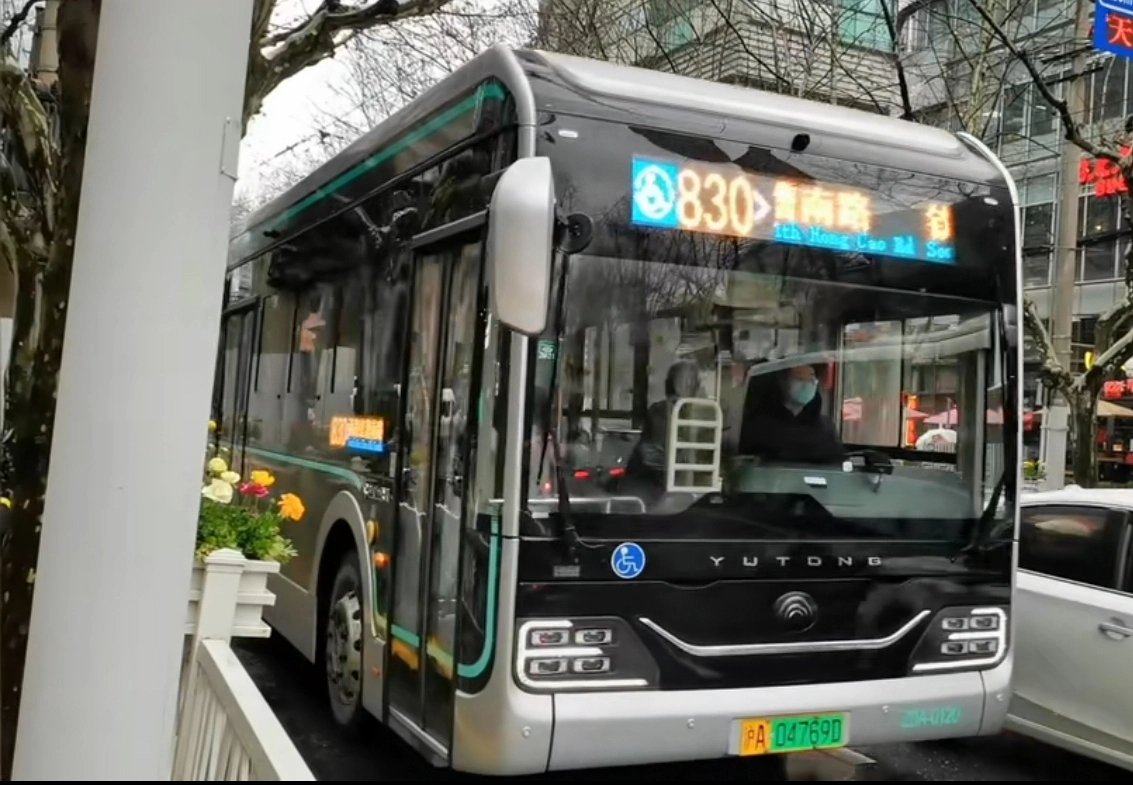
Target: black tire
(341, 644)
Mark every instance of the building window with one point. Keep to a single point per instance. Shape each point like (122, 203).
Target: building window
(1038, 227)
(1013, 111)
(1024, 113)
(1044, 119)
(1097, 227)
(862, 23)
(1036, 270)
(915, 29)
(659, 13)
(1107, 94)
(1037, 196)
(669, 23)
(1050, 11)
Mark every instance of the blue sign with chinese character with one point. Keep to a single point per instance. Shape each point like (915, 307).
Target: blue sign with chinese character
(1113, 27)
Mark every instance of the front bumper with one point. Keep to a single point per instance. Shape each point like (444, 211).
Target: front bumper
(535, 733)
(631, 728)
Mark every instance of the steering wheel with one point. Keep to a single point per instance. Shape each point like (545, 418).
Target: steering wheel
(871, 461)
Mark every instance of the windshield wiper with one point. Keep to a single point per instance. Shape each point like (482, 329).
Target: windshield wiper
(577, 230)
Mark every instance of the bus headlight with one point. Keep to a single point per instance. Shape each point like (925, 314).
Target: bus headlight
(963, 638)
(582, 654)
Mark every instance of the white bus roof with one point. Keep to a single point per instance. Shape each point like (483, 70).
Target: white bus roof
(734, 102)
(655, 97)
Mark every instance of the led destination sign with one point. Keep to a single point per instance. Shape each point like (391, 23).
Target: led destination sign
(725, 200)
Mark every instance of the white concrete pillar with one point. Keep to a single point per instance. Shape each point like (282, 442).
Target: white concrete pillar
(108, 620)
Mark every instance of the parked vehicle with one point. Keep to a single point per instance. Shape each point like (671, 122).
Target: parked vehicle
(1074, 623)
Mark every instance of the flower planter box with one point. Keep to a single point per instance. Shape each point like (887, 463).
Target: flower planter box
(227, 596)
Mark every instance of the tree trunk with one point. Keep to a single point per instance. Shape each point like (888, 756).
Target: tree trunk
(1083, 424)
(33, 376)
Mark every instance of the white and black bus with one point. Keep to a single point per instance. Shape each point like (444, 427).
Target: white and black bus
(608, 393)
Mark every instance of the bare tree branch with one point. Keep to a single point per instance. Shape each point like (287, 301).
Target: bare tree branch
(15, 21)
(902, 78)
(1070, 125)
(284, 54)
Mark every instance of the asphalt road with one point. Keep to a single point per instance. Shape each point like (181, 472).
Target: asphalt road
(294, 692)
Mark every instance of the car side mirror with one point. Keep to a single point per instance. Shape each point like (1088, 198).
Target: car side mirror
(521, 223)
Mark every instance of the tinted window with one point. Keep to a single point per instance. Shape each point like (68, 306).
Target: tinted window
(1074, 543)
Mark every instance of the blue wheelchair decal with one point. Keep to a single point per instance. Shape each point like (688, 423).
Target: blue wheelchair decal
(628, 560)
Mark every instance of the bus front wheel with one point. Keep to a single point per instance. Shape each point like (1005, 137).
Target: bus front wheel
(342, 643)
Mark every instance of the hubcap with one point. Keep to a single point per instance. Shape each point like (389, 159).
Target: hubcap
(344, 649)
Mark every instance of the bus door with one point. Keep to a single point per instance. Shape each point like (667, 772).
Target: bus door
(421, 665)
(239, 336)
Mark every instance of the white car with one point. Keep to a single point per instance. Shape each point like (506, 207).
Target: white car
(1074, 623)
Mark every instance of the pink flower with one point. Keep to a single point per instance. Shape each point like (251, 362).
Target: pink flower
(254, 489)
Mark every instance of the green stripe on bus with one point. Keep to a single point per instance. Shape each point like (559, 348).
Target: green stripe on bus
(490, 90)
(304, 463)
(471, 670)
(465, 670)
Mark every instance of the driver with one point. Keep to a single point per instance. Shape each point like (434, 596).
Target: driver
(783, 420)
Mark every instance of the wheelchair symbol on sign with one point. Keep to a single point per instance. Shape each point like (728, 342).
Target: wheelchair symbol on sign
(654, 192)
(628, 560)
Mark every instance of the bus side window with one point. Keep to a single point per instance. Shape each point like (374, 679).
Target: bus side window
(265, 412)
(382, 303)
(312, 353)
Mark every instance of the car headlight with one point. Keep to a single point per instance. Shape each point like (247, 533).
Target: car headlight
(962, 638)
(582, 654)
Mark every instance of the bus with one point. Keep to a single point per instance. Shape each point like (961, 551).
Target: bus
(605, 391)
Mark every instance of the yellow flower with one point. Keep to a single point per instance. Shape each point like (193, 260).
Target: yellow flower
(212, 426)
(291, 506)
(5, 501)
(262, 477)
(217, 466)
(218, 491)
(230, 477)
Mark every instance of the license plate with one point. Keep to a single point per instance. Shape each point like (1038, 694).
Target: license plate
(772, 735)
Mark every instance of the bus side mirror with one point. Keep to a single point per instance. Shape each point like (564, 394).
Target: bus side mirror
(521, 222)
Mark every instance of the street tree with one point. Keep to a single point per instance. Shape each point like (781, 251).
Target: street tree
(1001, 69)
(810, 50)
(43, 126)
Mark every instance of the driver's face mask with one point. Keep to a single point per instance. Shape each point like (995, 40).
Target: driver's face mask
(802, 391)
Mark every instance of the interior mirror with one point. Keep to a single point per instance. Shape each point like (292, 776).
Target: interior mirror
(521, 222)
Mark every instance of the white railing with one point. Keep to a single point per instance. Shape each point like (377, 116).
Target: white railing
(226, 730)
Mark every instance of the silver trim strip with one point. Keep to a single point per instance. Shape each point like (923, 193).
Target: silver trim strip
(422, 736)
(977, 144)
(795, 647)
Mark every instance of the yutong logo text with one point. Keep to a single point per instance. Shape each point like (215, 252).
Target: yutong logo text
(754, 562)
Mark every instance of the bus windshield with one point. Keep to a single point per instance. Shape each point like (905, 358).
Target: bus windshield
(882, 407)
(774, 382)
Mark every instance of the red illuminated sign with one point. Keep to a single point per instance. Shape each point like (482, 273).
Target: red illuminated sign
(1117, 389)
(1103, 175)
